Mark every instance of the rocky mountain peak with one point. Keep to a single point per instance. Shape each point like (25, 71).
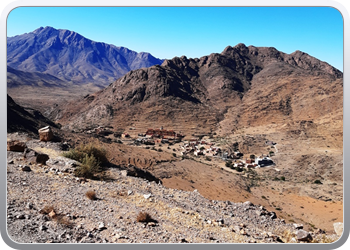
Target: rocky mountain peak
(73, 58)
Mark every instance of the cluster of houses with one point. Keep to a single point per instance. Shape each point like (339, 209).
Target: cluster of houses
(169, 135)
(199, 147)
(202, 147)
(261, 161)
(153, 136)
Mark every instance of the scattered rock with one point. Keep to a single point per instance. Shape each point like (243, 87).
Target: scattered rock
(26, 168)
(320, 231)
(21, 216)
(62, 163)
(151, 224)
(242, 232)
(35, 157)
(29, 205)
(101, 226)
(298, 226)
(189, 208)
(303, 235)
(273, 215)
(338, 228)
(248, 203)
(146, 196)
(52, 214)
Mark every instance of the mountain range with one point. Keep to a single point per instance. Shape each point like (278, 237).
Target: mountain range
(73, 58)
(242, 86)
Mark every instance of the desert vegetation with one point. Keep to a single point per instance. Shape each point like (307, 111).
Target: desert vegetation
(91, 195)
(91, 157)
(144, 217)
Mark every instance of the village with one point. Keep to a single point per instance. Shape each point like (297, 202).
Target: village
(200, 147)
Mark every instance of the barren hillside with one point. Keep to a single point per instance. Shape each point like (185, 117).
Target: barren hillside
(240, 99)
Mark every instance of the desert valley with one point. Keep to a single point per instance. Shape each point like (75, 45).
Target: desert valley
(242, 146)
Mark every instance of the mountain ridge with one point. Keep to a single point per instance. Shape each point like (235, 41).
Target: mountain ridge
(208, 86)
(71, 57)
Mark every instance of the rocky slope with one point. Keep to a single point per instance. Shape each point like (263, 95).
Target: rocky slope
(176, 216)
(73, 58)
(242, 86)
(24, 120)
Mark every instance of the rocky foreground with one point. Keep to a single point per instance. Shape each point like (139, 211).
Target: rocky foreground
(46, 203)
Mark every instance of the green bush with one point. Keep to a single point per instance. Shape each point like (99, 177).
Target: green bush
(91, 158)
(89, 167)
(89, 149)
(74, 154)
(174, 154)
(283, 178)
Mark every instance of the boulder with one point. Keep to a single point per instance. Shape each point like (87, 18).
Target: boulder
(52, 214)
(45, 134)
(248, 203)
(16, 146)
(338, 228)
(302, 235)
(298, 226)
(35, 157)
(26, 168)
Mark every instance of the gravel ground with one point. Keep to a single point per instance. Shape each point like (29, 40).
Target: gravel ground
(176, 216)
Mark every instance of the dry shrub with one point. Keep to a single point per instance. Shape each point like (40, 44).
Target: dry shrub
(47, 209)
(144, 217)
(90, 156)
(91, 195)
(64, 221)
(91, 149)
(89, 167)
(59, 218)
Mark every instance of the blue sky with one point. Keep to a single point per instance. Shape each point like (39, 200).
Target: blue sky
(167, 32)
